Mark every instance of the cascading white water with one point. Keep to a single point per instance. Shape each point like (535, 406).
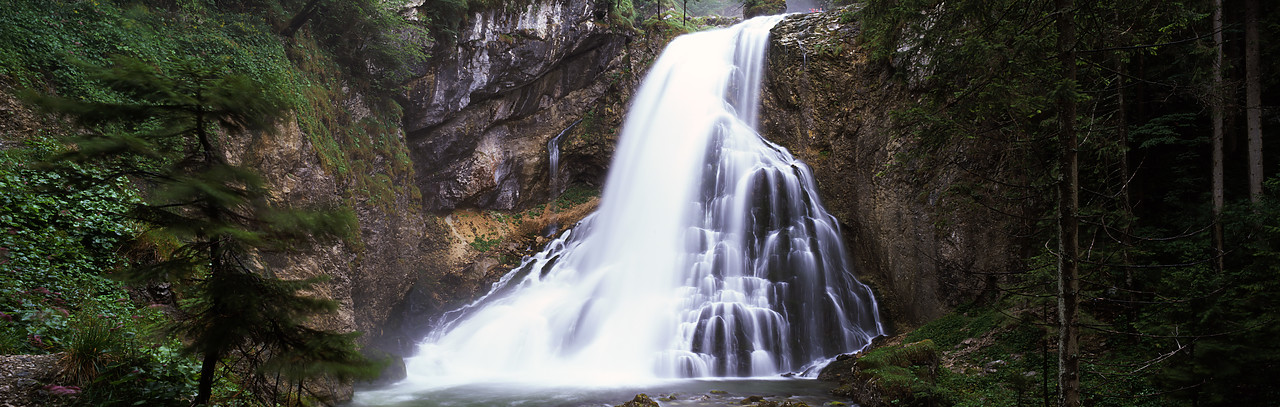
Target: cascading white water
(710, 254)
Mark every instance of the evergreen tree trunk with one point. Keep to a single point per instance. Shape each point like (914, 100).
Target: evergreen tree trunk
(208, 367)
(211, 353)
(1122, 137)
(1126, 202)
(1068, 212)
(1253, 99)
(1216, 102)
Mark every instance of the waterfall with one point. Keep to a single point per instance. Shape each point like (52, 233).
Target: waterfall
(710, 254)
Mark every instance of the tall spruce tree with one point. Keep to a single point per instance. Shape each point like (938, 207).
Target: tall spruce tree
(1253, 98)
(1068, 213)
(167, 135)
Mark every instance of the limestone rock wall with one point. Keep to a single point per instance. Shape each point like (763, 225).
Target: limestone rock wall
(479, 119)
(369, 273)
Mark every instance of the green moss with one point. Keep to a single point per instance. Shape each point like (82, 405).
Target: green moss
(669, 23)
(622, 13)
(576, 194)
(915, 353)
(641, 400)
(484, 243)
(905, 374)
(966, 322)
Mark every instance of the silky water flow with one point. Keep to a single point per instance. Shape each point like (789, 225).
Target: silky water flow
(710, 254)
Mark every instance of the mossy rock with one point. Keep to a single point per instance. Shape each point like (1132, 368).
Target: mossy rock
(839, 370)
(784, 403)
(900, 375)
(641, 400)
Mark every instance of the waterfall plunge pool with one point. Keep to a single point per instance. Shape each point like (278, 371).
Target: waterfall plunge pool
(687, 392)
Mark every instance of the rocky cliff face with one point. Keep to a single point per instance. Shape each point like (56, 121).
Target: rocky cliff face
(369, 273)
(479, 119)
(922, 248)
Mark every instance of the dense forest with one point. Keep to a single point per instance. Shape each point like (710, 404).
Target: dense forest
(134, 248)
(1142, 135)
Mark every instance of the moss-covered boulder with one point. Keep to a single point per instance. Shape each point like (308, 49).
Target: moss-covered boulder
(899, 375)
(641, 400)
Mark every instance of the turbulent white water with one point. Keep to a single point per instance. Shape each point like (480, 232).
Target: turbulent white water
(710, 254)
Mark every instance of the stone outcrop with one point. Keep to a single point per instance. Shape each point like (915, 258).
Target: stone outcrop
(922, 248)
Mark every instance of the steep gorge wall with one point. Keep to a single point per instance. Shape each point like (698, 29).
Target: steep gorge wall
(922, 248)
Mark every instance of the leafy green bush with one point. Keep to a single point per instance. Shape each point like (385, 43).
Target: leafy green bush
(13, 339)
(134, 365)
(968, 321)
(56, 250)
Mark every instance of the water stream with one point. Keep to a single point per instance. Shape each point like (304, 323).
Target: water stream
(710, 255)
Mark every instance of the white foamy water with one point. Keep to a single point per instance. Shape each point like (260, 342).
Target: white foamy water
(710, 254)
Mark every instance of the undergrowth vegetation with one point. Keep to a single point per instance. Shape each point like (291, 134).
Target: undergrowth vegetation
(57, 253)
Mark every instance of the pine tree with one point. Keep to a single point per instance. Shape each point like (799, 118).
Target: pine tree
(166, 135)
(1253, 99)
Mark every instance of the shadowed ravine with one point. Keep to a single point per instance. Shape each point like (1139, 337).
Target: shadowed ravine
(710, 255)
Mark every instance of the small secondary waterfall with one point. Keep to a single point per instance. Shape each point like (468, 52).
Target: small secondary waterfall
(710, 254)
(553, 158)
